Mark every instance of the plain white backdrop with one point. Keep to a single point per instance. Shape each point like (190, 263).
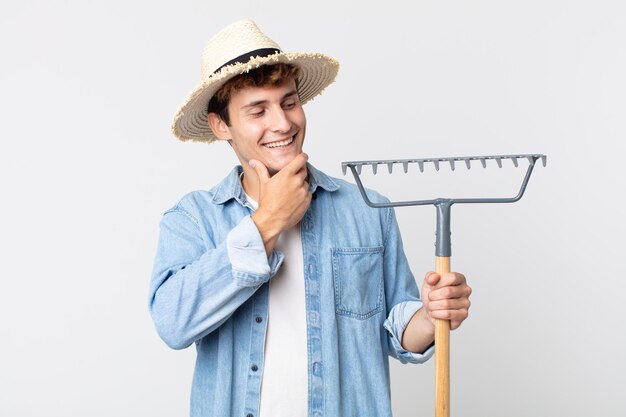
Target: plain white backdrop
(88, 165)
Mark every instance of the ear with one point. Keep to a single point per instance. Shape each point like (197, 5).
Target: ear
(219, 127)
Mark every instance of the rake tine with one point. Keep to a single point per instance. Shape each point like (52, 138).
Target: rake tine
(358, 165)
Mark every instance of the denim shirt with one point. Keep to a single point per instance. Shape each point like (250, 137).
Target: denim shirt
(210, 287)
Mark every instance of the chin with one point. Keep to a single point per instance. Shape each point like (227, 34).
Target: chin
(277, 165)
(274, 168)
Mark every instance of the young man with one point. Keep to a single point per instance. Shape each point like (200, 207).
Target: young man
(293, 290)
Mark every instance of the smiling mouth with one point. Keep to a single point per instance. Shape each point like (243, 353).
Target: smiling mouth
(280, 144)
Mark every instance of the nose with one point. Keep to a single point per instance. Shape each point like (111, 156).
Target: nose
(279, 121)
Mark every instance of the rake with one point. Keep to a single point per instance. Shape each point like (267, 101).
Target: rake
(443, 242)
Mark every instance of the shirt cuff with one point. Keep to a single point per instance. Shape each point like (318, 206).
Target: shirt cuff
(250, 265)
(396, 323)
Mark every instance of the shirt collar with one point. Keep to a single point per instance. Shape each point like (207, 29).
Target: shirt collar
(230, 187)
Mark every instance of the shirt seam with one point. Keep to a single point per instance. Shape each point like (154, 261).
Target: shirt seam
(388, 228)
(179, 209)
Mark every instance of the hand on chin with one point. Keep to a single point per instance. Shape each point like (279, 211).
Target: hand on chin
(276, 165)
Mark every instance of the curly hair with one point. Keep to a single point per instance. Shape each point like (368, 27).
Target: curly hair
(266, 75)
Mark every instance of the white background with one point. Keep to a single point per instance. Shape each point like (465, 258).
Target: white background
(88, 165)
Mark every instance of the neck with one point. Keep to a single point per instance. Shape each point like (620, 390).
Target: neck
(250, 183)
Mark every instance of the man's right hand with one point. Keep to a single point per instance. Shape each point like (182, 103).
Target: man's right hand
(283, 198)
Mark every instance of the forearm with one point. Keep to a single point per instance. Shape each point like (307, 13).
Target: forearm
(194, 301)
(419, 333)
(194, 289)
(269, 229)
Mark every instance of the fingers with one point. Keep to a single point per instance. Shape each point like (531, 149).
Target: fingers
(451, 278)
(447, 297)
(449, 292)
(456, 317)
(431, 278)
(297, 167)
(450, 304)
(261, 170)
(456, 310)
(297, 164)
(284, 197)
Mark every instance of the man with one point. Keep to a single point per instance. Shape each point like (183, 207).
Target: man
(293, 290)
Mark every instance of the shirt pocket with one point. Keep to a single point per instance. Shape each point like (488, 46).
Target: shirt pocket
(358, 278)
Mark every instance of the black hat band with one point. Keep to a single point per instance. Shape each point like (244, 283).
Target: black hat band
(241, 59)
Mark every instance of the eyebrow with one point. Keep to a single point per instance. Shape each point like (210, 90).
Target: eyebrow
(259, 102)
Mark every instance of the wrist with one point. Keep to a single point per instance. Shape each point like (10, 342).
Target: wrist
(426, 323)
(267, 224)
(268, 229)
(419, 333)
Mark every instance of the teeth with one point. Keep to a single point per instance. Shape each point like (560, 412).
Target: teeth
(279, 144)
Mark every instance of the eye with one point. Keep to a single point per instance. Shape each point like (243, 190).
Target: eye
(289, 104)
(257, 112)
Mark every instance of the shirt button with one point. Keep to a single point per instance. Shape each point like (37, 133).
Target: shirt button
(254, 368)
(317, 368)
(258, 319)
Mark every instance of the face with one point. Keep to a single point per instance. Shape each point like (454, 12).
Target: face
(267, 124)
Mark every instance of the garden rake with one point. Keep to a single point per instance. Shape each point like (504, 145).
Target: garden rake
(443, 242)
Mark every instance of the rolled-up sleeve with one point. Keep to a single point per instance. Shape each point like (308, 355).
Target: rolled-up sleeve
(401, 292)
(396, 323)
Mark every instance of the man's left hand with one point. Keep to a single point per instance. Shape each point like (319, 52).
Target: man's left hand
(446, 297)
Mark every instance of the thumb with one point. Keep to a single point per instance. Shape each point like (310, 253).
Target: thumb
(432, 278)
(261, 170)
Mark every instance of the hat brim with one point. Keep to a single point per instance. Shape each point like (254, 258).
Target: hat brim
(317, 71)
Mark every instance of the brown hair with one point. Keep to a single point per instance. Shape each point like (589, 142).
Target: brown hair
(266, 75)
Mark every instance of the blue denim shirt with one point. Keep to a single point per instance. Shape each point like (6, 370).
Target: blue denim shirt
(210, 287)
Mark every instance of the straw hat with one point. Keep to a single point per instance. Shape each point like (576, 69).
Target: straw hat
(239, 48)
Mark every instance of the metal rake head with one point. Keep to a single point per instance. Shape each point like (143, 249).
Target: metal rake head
(356, 168)
(443, 205)
(358, 165)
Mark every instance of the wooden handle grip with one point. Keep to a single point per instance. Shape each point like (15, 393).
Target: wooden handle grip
(442, 353)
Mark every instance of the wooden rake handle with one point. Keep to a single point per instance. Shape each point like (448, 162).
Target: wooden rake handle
(442, 353)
